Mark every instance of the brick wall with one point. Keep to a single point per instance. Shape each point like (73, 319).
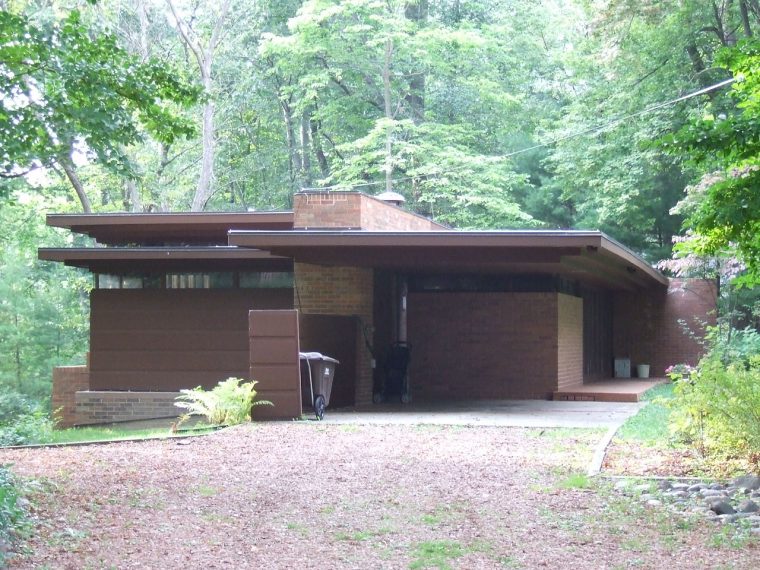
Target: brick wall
(101, 407)
(354, 210)
(67, 381)
(570, 340)
(648, 327)
(485, 345)
(345, 291)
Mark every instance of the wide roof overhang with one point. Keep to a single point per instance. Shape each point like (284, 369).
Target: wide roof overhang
(123, 260)
(165, 228)
(589, 256)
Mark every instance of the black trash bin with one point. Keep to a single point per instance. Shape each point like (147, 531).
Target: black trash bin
(321, 371)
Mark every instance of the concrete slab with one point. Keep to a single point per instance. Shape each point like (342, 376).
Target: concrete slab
(507, 413)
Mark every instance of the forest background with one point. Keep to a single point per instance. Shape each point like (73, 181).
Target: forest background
(483, 114)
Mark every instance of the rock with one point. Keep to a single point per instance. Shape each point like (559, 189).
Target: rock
(653, 503)
(721, 507)
(748, 482)
(696, 487)
(727, 518)
(644, 488)
(680, 486)
(717, 486)
(664, 485)
(622, 485)
(677, 494)
(748, 506)
(647, 497)
(709, 493)
(754, 520)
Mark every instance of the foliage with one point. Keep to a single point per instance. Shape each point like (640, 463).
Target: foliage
(43, 306)
(717, 407)
(11, 513)
(66, 87)
(724, 205)
(22, 421)
(229, 403)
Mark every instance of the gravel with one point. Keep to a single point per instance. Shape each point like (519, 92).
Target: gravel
(308, 495)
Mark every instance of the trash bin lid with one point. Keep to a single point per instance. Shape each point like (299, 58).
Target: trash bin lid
(316, 356)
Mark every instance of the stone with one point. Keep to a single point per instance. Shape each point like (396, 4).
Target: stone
(680, 486)
(716, 486)
(644, 488)
(748, 482)
(721, 507)
(664, 485)
(653, 503)
(709, 493)
(748, 506)
(677, 494)
(622, 485)
(727, 518)
(696, 487)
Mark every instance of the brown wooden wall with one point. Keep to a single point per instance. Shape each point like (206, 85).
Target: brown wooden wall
(334, 336)
(274, 364)
(165, 340)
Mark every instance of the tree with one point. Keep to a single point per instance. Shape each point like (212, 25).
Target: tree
(374, 86)
(67, 91)
(204, 52)
(724, 207)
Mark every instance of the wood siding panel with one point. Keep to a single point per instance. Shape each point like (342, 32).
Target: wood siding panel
(166, 340)
(274, 362)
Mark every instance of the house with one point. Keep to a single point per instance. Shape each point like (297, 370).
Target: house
(489, 314)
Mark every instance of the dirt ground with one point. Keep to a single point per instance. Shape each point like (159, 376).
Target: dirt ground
(308, 495)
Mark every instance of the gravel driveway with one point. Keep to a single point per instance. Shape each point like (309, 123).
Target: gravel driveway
(308, 495)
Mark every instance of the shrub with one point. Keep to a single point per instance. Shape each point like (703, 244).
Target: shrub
(718, 408)
(230, 402)
(11, 513)
(22, 421)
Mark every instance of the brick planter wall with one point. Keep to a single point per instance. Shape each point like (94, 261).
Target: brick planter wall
(101, 407)
(67, 381)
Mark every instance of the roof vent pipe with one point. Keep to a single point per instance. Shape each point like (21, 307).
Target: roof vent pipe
(392, 198)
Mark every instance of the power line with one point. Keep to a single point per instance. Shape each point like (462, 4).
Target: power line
(552, 142)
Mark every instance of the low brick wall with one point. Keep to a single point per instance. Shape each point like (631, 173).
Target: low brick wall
(67, 381)
(102, 407)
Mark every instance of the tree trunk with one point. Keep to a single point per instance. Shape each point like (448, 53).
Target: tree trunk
(204, 55)
(294, 158)
(388, 116)
(73, 178)
(316, 142)
(744, 12)
(305, 149)
(132, 201)
(203, 191)
(418, 13)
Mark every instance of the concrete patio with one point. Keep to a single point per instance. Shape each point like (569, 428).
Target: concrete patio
(507, 413)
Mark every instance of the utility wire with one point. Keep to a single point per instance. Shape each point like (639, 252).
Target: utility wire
(552, 142)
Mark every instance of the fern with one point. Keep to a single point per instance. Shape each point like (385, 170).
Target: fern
(230, 402)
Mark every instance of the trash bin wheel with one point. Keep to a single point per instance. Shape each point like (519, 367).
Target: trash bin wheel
(319, 406)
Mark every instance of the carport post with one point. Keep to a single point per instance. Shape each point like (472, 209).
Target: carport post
(403, 295)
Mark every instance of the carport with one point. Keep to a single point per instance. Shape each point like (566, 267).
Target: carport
(490, 315)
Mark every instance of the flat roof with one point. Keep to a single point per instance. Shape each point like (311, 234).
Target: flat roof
(157, 228)
(591, 256)
(147, 259)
